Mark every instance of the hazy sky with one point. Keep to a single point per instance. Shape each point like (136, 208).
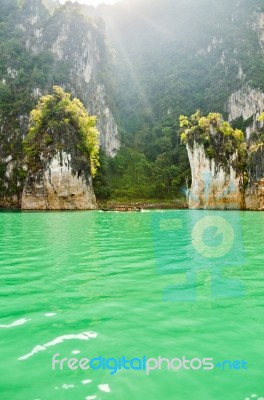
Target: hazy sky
(93, 2)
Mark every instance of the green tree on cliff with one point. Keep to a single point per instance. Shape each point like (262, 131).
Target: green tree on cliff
(261, 117)
(55, 115)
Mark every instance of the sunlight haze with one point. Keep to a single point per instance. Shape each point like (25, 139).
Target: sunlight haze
(91, 2)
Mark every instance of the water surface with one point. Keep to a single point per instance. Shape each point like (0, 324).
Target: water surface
(85, 284)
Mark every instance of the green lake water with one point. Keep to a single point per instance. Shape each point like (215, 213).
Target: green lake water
(169, 284)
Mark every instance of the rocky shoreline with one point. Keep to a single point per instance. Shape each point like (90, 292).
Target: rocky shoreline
(112, 205)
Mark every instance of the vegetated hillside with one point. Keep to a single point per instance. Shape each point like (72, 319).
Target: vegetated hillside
(180, 55)
(41, 47)
(174, 57)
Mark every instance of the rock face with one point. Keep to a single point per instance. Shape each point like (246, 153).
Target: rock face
(247, 103)
(212, 187)
(254, 199)
(106, 125)
(254, 196)
(62, 47)
(260, 28)
(56, 187)
(80, 42)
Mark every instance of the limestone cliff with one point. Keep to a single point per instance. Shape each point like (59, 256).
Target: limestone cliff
(254, 196)
(57, 186)
(227, 170)
(254, 199)
(212, 186)
(61, 155)
(218, 186)
(247, 103)
(106, 125)
(259, 27)
(79, 43)
(64, 48)
(215, 187)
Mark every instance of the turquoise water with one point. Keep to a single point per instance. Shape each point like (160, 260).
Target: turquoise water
(148, 284)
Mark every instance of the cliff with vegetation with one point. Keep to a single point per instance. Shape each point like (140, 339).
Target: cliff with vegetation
(39, 48)
(227, 170)
(61, 155)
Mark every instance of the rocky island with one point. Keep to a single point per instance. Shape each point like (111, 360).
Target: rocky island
(61, 151)
(227, 169)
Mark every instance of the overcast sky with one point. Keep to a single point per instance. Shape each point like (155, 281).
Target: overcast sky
(93, 2)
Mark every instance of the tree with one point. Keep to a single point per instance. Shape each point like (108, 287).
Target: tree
(261, 117)
(59, 121)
